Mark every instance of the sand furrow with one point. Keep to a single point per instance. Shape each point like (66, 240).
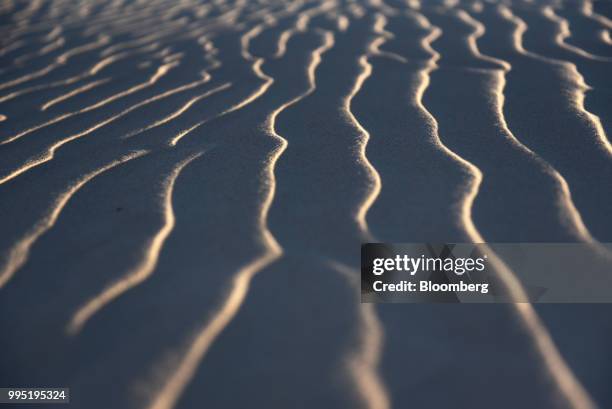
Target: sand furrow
(198, 346)
(179, 112)
(160, 72)
(255, 65)
(564, 33)
(568, 386)
(563, 90)
(362, 366)
(72, 93)
(584, 32)
(17, 256)
(150, 255)
(588, 10)
(364, 362)
(591, 74)
(49, 153)
(59, 61)
(318, 124)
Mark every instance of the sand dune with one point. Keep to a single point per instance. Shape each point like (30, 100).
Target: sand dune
(184, 187)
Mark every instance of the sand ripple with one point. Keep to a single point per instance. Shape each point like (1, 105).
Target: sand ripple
(162, 163)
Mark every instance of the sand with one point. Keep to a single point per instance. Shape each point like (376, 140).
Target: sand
(184, 187)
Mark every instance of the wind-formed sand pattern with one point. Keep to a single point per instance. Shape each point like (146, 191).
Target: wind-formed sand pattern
(184, 187)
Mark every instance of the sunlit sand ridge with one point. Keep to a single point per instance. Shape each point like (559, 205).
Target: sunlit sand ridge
(552, 359)
(161, 71)
(576, 99)
(568, 210)
(179, 379)
(364, 361)
(558, 369)
(18, 254)
(50, 152)
(71, 94)
(62, 59)
(149, 258)
(577, 94)
(116, 80)
(564, 33)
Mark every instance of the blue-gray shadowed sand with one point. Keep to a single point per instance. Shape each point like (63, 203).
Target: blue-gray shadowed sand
(184, 188)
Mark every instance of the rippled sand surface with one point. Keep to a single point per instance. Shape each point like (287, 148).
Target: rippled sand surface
(184, 186)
